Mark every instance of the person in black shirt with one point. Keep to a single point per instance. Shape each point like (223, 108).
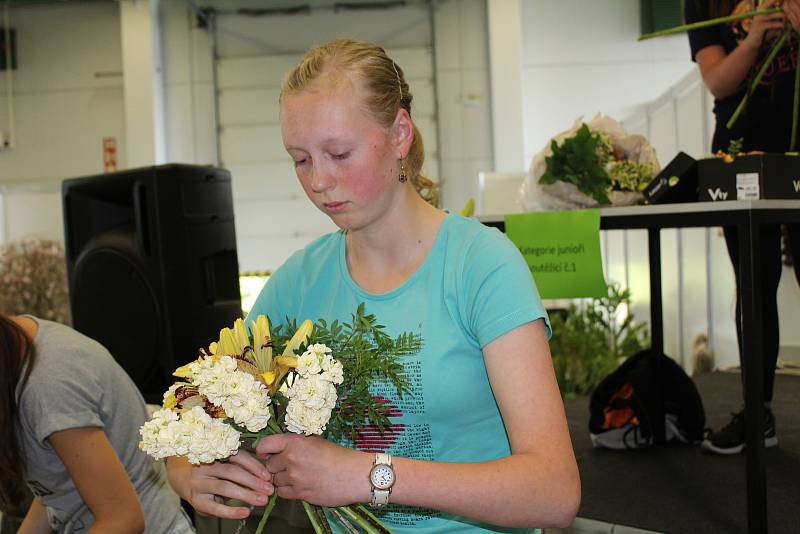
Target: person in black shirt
(729, 56)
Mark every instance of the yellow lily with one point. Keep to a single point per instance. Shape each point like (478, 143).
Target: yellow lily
(228, 344)
(240, 335)
(287, 361)
(299, 337)
(262, 341)
(184, 372)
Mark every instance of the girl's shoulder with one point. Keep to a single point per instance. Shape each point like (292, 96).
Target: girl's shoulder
(475, 239)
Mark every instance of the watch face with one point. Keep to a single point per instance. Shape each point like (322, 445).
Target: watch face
(382, 476)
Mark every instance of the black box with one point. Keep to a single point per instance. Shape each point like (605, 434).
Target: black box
(677, 182)
(749, 177)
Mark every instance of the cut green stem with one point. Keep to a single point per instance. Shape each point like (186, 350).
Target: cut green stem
(267, 510)
(767, 62)
(314, 517)
(364, 511)
(710, 22)
(345, 522)
(368, 522)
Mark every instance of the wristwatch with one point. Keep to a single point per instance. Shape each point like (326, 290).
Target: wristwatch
(381, 476)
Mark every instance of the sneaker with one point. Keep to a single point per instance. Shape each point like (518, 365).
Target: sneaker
(730, 440)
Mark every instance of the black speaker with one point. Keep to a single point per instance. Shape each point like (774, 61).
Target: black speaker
(677, 182)
(152, 265)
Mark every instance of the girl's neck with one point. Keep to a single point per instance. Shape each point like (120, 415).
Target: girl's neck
(382, 257)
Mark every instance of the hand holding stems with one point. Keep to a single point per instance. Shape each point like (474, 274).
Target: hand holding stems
(316, 470)
(242, 477)
(792, 10)
(764, 27)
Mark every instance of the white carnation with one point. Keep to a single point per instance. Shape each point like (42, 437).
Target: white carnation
(195, 435)
(209, 439)
(244, 398)
(158, 434)
(314, 392)
(309, 362)
(317, 360)
(332, 370)
(303, 420)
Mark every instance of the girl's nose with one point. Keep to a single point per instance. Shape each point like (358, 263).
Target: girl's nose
(321, 180)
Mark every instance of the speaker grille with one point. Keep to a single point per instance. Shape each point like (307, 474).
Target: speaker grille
(117, 306)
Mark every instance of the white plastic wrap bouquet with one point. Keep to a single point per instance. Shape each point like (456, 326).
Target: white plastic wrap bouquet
(592, 164)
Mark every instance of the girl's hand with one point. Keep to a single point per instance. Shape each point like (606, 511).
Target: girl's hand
(242, 477)
(315, 470)
(791, 9)
(762, 25)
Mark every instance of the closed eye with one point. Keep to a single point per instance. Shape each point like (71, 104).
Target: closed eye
(342, 156)
(299, 162)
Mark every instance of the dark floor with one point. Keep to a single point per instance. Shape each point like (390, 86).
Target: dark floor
(680, 489)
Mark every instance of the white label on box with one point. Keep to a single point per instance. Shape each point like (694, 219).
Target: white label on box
(747, 186)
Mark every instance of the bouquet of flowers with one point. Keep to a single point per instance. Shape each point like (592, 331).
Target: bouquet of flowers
(313, 380)
(591, 164)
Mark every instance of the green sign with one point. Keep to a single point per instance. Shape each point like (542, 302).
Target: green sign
(562, 249)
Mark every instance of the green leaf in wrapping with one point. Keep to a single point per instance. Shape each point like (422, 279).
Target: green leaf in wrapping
(577, 161)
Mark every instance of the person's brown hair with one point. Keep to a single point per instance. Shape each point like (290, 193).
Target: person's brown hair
(17, 357)
(384, 84)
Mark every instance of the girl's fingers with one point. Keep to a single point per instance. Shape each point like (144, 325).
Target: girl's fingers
(230, 490)
(211, 507)
(260, 483)
(250, 463)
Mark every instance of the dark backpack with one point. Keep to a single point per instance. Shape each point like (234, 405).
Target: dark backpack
(625, 405)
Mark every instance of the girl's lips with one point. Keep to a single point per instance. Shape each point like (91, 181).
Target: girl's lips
(335, 207)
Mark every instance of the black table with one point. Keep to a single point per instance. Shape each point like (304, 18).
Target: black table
(748, 216)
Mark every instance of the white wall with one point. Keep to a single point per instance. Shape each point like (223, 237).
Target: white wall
(67, 96)
(581, 57)
(463, 98)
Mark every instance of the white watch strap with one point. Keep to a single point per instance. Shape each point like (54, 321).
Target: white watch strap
(381, 497)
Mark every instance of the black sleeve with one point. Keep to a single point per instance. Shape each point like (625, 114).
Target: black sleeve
(695, 11)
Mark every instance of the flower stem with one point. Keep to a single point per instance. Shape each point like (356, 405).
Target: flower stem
(796, 106)
(346, 524)
(267, 510)
(364, 511)
(368, 522)
(767, 62)
(317, 518)
(274, 427)
(710, 22)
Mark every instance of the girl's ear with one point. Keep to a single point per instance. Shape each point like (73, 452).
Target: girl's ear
(403, 132)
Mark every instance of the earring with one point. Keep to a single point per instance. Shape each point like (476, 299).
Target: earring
(403, 177)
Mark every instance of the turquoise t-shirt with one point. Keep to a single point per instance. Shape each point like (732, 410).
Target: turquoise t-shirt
(473, 287)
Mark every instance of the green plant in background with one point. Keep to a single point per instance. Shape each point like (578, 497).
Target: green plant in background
(592, 339)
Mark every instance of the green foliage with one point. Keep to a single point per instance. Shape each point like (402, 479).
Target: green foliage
(369, 356)
(578, 161)
(735, 146)
(593, 340)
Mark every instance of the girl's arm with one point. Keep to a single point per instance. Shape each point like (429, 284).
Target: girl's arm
(35, 521)
(723, 73)
(101, 480)
(537, 486)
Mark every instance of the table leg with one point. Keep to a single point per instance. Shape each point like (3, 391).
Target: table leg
(752, 373)
(656, 323)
